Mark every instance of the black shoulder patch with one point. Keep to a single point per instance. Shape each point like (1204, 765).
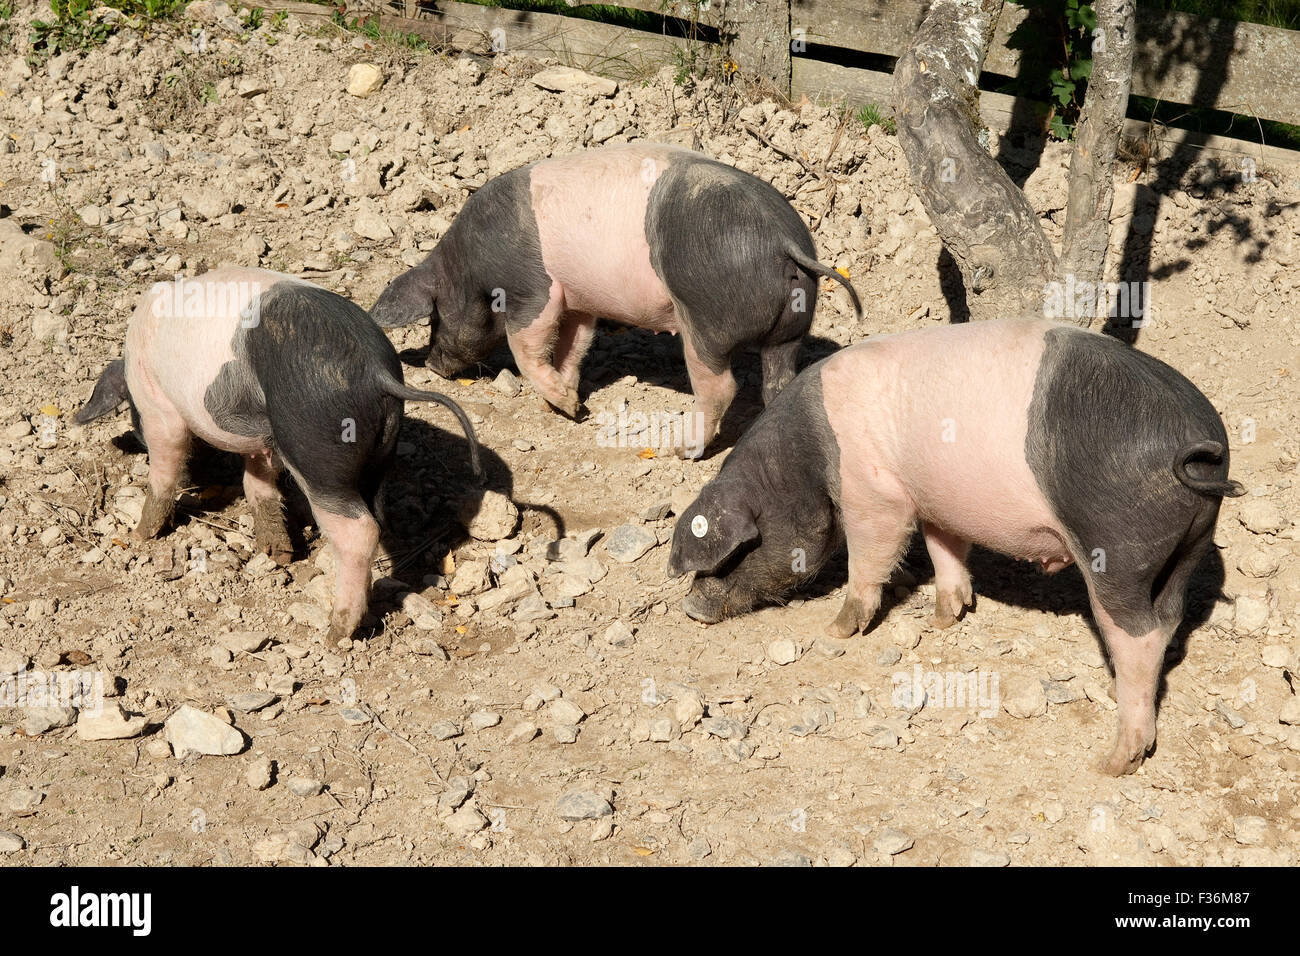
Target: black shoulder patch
(493, 244)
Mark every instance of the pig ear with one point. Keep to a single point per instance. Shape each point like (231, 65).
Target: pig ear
(110, 392)
(408, 298)
(712, 532)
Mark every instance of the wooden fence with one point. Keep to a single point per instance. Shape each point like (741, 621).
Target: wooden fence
(1242, 68)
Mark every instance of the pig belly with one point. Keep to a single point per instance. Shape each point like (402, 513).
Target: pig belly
(177, 346)
(590, 211)
(942, 420)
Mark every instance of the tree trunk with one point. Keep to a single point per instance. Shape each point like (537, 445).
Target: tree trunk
(983, 219)
(761, 45)
(1092, 164)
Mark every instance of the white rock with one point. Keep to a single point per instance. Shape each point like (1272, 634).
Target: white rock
(490, 518)
(783, 651)
(112, 723)
(309, 615)
(11, 662)
(1024, 697)
(193, 731)
(1261, 516)
(1250, 830)
(259, 773)
(41, 720)
(619, 635)
(465, 821)
(565, 711)
(560, 79)
(369, 224)
(11, 842)
(364, 79)
(1250, 613)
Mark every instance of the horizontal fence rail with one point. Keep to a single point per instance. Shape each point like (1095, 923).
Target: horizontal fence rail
(1237, 67)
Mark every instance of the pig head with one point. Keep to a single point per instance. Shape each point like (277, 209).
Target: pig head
(487, 260)
(767, 523)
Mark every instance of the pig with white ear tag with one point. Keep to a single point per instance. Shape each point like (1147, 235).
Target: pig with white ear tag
(1034, 439)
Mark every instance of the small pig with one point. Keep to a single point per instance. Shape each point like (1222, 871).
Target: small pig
(1031, 438)
(284, 374)
(649, 235)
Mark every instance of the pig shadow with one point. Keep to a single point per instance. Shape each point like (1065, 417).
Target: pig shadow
(1020, 584)
(429, 486)
(654, 359)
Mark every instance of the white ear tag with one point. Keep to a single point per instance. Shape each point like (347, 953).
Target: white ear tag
(699, 526)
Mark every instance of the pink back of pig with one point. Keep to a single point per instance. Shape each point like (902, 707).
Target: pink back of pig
(935, 421)
(591, 212)
(177, 341)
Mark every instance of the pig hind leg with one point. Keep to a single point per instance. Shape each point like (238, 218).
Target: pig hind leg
(952, 585)
(354, 540)
(1137, 620)
(780, 353)
(714, 387)
(533, 344)
(877, 533)
(168, 440)
(260, 488)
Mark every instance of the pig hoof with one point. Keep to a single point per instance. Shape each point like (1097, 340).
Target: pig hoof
(569, 403)
(688, 454)
(153, 516)
(946, 614)
(846, 623)
(1126, 757)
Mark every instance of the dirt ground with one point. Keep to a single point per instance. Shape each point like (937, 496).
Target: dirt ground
(503, 707)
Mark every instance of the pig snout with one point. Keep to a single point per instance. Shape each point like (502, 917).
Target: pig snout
(706, 601)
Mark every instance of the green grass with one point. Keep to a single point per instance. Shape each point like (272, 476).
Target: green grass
(872, 115)
(603, 13)
(372, 30)
(74, 26)
(1273, 13)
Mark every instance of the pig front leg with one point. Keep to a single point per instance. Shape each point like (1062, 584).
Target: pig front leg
(272, 537)
(714, 392)
(876, 530)
(533, 346)
(576, 332)
(952, 584)
(168, 440)
(354, 541)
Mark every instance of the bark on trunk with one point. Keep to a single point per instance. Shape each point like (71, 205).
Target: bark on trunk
(982, 217)
(761, 46)
(1092, 163)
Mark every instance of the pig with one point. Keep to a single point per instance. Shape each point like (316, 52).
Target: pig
(284, 374)
(649, 235)
(1034, 439)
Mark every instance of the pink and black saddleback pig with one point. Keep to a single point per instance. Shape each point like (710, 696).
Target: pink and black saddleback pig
(284, 374)
(649, 235)
(1031, 438)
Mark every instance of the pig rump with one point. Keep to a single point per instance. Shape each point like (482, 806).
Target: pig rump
(312, 386)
